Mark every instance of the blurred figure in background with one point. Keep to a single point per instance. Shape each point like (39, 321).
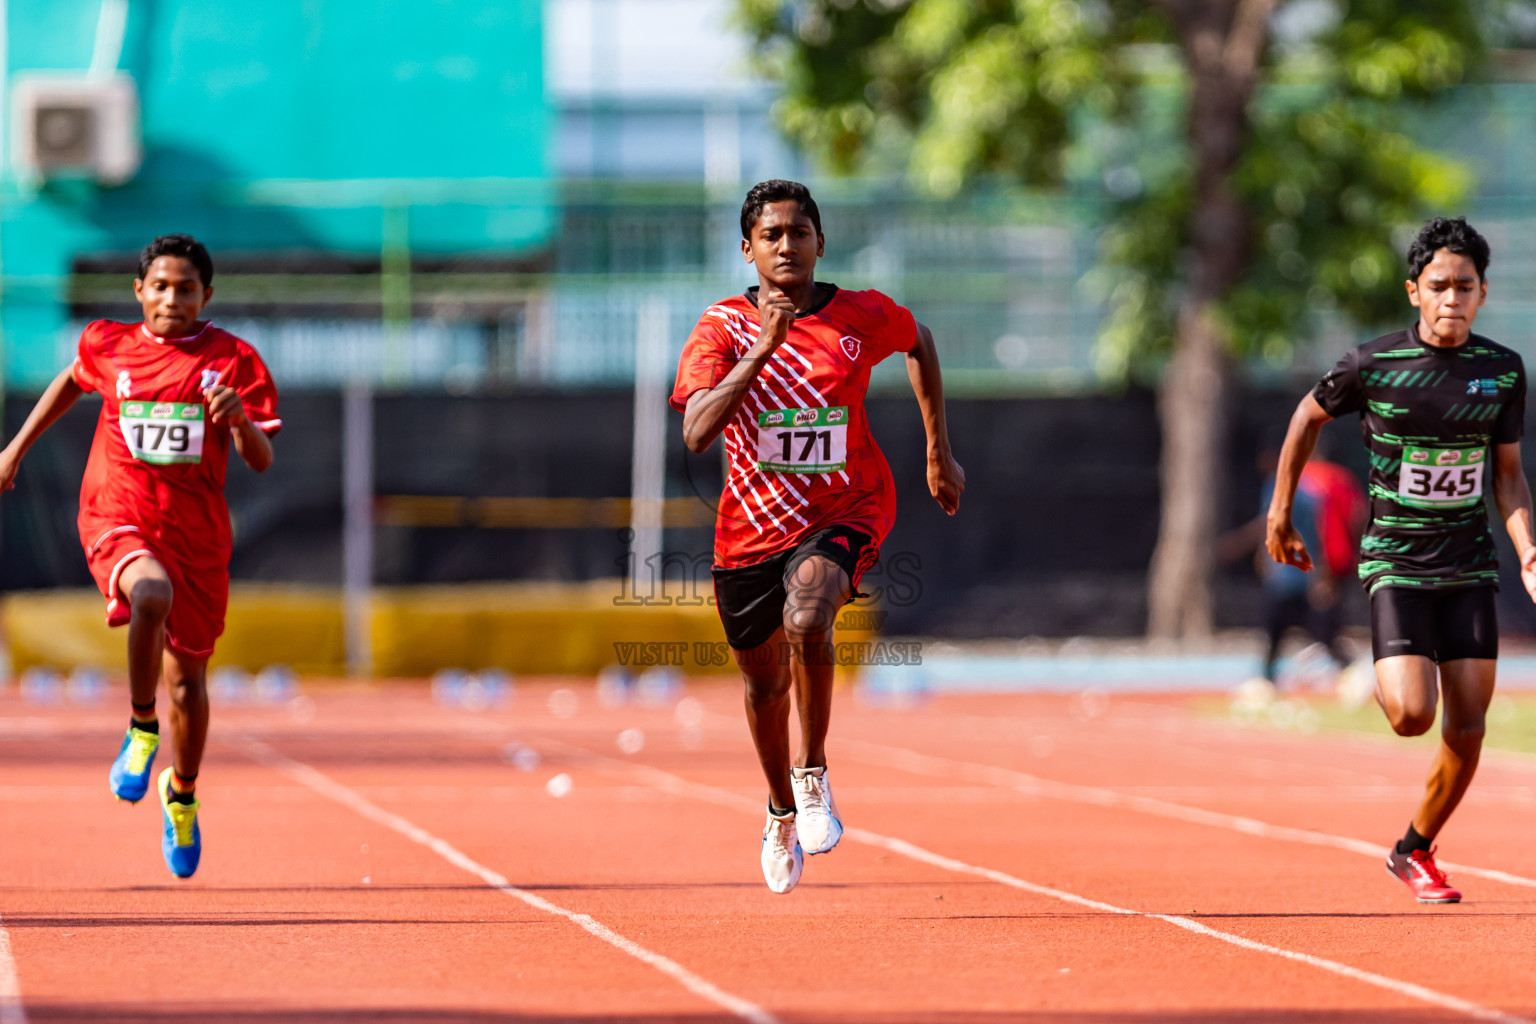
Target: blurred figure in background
(1342, 510)
(1330, 511)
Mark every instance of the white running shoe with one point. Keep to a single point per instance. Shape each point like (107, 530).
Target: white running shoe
(782, 857)
(816, 809)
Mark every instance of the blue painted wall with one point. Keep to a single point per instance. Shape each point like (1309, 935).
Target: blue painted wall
(288, 124)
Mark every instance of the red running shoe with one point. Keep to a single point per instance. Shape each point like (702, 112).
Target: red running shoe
(1419, 872)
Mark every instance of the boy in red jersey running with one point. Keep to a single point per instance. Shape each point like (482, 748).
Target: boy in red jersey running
(782, 371)
(176, 394)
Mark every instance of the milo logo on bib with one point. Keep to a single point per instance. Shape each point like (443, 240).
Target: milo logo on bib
(803, 440)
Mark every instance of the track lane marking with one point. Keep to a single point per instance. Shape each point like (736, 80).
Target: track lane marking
(345, 796)
(886, 756)
(676, 784)
(1404, 988)
(11, 1009)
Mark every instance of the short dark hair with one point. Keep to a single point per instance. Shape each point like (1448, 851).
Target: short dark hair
(183, 246)
(1453, 234)
(776, 190)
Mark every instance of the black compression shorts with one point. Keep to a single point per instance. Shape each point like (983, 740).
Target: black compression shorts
(1442, 625)
(751, 598)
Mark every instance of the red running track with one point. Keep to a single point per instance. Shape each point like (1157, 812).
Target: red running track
(373, 856)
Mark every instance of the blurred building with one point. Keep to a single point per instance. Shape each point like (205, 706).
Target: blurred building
(297, 138)
(658, 90)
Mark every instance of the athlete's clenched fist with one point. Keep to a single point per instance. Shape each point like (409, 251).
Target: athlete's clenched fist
(776, 311)
(225, 405)
(946, 481)
(1285, 545)
(10, 462)
(1528, 571)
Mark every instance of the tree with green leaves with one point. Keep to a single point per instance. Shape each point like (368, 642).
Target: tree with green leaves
(1267, 201)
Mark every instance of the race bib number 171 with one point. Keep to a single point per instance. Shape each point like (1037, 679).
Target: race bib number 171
(803, 440)
(163, 432)
(1441, 477)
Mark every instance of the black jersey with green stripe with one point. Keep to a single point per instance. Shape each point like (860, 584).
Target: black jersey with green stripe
(1428, 416)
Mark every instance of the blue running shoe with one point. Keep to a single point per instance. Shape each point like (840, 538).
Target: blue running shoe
(130, 772)
(182, 842)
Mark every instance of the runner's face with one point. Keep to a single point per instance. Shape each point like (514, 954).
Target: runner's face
(1448, 295)
(784, 246)
(172, 295)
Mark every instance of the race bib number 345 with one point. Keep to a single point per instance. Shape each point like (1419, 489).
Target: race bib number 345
(1441, 477)
(803, 440)
(163, 432)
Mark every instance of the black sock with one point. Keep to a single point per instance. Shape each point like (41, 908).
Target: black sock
(153, 725)
(176, 795)
(779, 812)
(1413, 841)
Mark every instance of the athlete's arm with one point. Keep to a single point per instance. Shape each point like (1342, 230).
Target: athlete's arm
(946, 480)
(710, 409)
(226, 406)
(1512, 493)
(61, 394)
(1282, 540)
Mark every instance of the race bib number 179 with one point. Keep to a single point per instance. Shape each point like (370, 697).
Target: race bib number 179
(163, 432)
(1441, 477)
(803, 440)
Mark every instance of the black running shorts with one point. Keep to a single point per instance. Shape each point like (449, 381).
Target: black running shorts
(1442, 625)
(751, 598)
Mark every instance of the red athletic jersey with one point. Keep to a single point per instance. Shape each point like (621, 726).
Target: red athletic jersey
(800, 454)
(157, 462)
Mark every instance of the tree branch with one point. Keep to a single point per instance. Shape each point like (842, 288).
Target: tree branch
(1245, 41)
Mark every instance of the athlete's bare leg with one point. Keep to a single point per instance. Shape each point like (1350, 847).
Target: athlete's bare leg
(186, 680)
(767, 677)
(1407, 687)
(817, 590)
(147, 589)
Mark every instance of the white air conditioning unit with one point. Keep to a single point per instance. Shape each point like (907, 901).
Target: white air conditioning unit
(74, 125)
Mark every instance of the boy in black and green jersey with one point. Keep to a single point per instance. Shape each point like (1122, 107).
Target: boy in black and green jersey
(1438, 405)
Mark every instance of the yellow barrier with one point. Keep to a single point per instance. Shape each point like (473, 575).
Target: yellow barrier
(538, 629)
(265, 625)
(526, 628)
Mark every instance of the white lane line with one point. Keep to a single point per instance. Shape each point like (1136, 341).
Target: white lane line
(11, 1010)
(668, 782)
(335, 791)
(885, 756)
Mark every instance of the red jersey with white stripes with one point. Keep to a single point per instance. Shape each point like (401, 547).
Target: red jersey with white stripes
(157, 462)
(799, 451)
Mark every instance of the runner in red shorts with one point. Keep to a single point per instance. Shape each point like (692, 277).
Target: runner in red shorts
(781, 372)
(176, 394)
